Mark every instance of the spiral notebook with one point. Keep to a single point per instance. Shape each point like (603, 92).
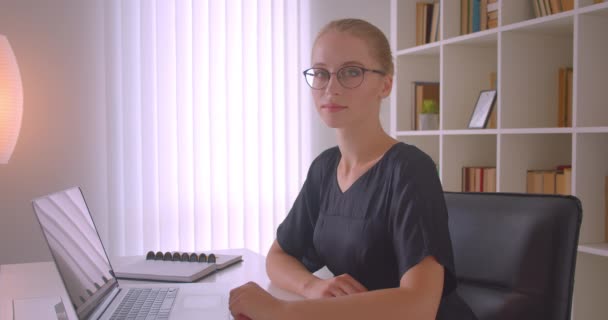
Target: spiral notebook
(172, 266)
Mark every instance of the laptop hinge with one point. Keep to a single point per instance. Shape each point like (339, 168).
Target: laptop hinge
(103, 306)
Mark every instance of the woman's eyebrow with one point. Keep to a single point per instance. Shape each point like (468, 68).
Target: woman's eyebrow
(347, 63)
(352, 62)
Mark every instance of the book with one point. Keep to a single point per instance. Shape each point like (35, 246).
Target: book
(556, 6)
(548, 7)
(549, 182)
(464, 17)
(562, 97)
(476, 18)
(563, 179)
(534, 181)
(478, 179)
(541, 6)
(428, 10)
(569, 83)
(435, 23)
(567, 5)
(172, 266)
(427, 18)
(419, 22)
(606, 204)
(536, 8)
(483, 15)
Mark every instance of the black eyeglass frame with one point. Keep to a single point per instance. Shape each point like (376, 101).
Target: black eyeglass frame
(364, 70)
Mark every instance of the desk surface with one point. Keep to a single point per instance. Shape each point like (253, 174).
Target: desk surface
(41, 279)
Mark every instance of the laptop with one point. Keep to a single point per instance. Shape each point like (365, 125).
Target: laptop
(89, 279)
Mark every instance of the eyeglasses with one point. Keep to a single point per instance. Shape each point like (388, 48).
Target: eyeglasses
(349, 77)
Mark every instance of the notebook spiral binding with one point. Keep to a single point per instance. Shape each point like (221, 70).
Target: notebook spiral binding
(176, 256)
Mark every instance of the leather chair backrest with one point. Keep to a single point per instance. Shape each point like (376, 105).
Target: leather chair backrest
(515, 254)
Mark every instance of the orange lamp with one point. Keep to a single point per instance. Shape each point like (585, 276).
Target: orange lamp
(11, 100)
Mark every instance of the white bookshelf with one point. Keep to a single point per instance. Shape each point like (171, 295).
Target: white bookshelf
(526, 53)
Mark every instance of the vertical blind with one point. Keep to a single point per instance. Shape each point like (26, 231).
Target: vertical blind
(204, 127)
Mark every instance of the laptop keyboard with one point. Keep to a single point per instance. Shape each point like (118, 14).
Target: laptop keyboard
(146, 304)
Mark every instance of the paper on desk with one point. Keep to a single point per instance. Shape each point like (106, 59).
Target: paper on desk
(42, 308)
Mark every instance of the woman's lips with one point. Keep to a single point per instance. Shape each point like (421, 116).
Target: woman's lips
(333, 107)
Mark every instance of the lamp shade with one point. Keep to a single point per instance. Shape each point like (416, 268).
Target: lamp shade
(11, 100)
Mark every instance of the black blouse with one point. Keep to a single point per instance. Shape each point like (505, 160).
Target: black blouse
(386, 222)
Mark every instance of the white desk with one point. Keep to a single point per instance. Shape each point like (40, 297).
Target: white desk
(41, 279)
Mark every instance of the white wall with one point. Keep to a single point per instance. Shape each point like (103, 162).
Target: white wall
(376, 12)
(60, 51)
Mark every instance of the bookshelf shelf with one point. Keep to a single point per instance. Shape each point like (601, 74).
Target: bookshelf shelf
(592, 130)
(429, 49)
(469, 132)
(536, 130)
(418, 133)
(477, 38)
(600, 249)
(555, 24)
(525, 54)
(596, 8)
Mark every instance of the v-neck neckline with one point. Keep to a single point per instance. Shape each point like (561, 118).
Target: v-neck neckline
(367, 172)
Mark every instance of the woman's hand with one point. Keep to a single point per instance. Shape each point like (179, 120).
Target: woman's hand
(251, 302)
(341, 285)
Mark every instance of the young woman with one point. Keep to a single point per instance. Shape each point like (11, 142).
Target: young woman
(371, 209)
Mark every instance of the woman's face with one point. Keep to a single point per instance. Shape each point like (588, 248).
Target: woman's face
(340, 107)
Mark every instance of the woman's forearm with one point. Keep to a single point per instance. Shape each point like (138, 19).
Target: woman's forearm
(396, 303)
(287, 272)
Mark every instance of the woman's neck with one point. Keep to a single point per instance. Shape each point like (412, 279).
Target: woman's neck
(363, 144)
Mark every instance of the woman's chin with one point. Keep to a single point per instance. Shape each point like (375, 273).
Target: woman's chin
(333, 124)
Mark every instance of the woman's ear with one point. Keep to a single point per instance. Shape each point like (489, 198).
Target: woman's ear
(387, 86)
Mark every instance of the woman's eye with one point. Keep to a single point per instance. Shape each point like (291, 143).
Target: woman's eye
(321, 74)
(352, 72)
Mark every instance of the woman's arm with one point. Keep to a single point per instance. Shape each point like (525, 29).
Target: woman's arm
(417, 297)
(290, 274)
(286, 271)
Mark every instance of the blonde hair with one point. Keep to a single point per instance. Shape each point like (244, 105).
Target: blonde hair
(374, 37)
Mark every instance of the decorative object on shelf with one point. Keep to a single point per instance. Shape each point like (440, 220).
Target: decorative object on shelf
(483, 108)
(492, 123)
(424, 91)
(429, 117)
(11, 100)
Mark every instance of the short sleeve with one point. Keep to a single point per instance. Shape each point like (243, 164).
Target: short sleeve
(295, 233)
(419, 220)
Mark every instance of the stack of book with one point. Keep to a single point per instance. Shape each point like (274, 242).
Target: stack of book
(478, 179)
(564, 99)
(478, 15)
(427, 22)
(547, 7)
(556, 181)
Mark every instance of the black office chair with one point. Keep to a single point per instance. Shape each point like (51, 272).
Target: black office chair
(515, 254)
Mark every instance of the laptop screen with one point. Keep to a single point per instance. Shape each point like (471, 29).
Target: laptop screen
(76, 248)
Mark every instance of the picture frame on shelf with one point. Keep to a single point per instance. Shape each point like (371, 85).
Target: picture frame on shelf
(483, 109)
